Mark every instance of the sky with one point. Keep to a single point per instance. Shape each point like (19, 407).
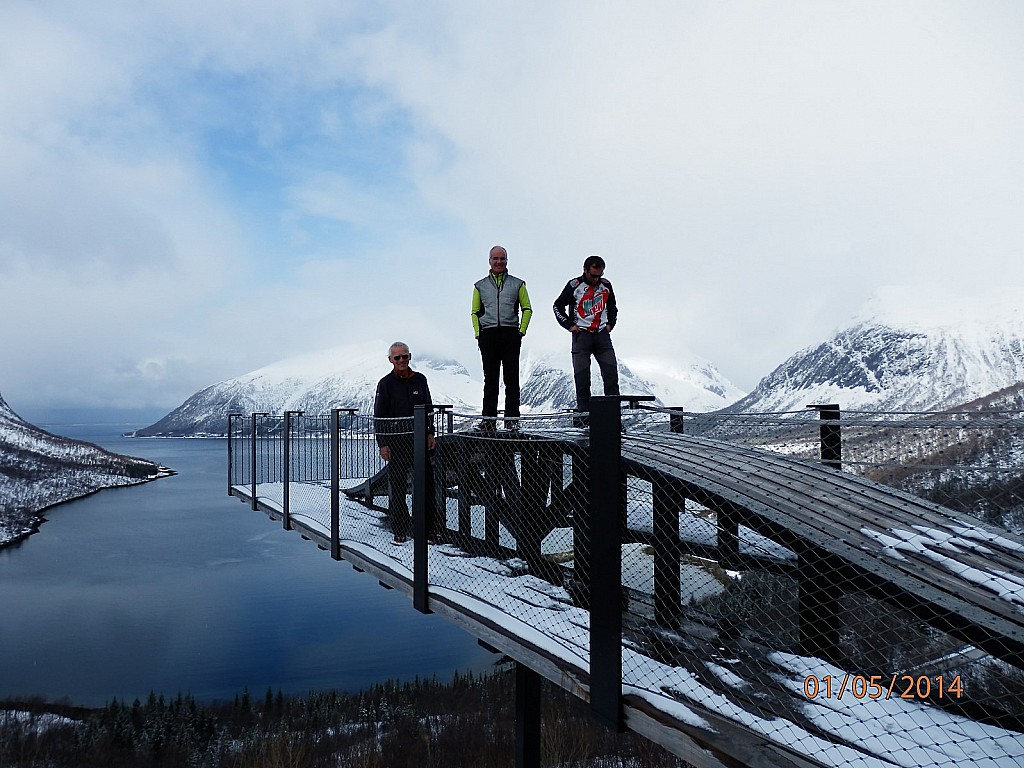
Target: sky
(190, 191)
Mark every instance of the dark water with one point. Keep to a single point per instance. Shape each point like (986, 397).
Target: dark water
(173, 586)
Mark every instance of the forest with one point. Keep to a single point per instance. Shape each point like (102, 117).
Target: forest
(468, 721)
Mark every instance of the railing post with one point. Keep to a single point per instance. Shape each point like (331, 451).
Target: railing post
(287, 473)
(603, 557)
(335, 459)
(421, 508)
(254, 465)
(231, 452)
(830, 435)
(728, 549)
(819, 596)
(528, 692)
(669, 499)
(444, 423)
(675, 421)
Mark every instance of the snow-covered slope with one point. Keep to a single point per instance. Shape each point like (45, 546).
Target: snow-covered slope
(346, 377)
(907, 349)
(693, 385)
(38, 470)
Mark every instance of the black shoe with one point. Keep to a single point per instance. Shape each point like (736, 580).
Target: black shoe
(512, 425)
(487, 425)
(399, 539)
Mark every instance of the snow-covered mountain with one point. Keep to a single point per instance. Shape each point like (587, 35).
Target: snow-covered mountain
(346, 377)
(907, 349)
(38, 470)
(693, 385)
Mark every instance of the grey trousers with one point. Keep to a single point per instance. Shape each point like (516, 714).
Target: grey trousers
(585, 344)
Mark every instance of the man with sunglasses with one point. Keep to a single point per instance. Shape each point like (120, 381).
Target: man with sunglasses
(586, 308)
(499, 330)
(397, 395)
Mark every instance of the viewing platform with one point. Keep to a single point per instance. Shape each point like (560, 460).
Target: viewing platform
(739, 596)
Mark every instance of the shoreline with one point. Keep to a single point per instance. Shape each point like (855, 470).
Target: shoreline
(37, 516)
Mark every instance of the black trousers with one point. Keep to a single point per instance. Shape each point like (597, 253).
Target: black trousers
(499, 350)
(399, 469)
(585, 344)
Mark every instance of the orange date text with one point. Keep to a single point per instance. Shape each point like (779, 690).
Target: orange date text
(860, 687)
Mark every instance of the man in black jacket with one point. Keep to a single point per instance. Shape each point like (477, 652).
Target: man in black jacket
(397, 395)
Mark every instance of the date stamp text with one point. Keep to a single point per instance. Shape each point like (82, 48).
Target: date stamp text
(917, 687)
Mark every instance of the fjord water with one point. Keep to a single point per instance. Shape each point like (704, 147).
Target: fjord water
(173, 586)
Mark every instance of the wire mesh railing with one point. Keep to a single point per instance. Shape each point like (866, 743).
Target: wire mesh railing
(970, 461)
(665, 571)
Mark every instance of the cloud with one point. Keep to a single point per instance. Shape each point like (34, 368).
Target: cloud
(192, 190)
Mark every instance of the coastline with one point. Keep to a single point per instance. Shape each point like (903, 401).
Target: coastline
(36, 517)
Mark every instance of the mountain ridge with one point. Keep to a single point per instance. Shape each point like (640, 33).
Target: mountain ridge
(347, 376)
(902, 352)
(913, 348)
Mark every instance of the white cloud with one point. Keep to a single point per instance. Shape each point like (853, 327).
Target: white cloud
(201, 188)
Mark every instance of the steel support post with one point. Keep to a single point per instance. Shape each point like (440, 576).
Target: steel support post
(422, 513)
(445, 424)
(830, 435)
(604, 557)
(335, 459)
(728, 536)
(669, 499)
(528, 701)
(531, 524)
(231, 452)
(675, 422)
(287, 469)
(817, 576)
(819, 596)
(463, 473)
(253, 466)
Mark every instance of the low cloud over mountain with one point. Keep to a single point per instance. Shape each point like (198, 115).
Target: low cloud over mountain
(346, 377)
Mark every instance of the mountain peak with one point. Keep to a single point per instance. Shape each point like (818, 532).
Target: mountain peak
(906, 349)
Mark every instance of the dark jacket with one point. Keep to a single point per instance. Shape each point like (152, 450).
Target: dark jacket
(393, 407)
(591, 307)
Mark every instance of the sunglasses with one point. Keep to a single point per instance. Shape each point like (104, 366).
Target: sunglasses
(401, 357)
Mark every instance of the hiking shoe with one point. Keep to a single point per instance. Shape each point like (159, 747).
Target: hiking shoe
(399, 539)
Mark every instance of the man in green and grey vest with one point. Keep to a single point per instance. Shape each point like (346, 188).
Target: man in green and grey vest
(499, 327)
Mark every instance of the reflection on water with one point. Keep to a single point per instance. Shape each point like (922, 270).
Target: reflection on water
(174, 586)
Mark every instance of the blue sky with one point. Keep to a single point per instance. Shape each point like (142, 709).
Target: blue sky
(189, 191)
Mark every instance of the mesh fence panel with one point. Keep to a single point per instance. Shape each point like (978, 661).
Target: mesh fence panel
(890, 670)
